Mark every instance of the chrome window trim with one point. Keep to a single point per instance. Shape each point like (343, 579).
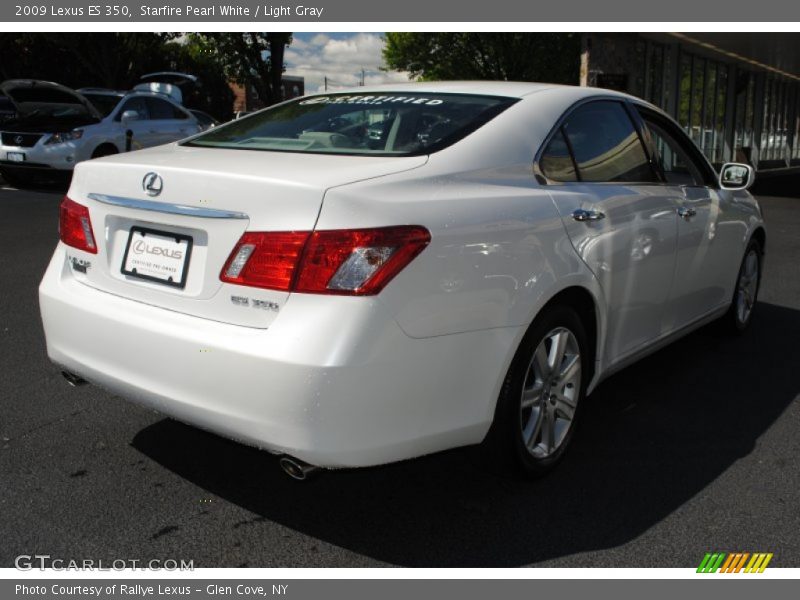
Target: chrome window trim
(167, 207)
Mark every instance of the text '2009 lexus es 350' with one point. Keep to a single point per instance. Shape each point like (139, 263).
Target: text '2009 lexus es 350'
(353, 279)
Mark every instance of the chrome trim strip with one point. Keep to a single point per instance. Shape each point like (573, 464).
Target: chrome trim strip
(166, 207)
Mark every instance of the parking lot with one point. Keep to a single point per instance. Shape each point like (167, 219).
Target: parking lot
(692, 450)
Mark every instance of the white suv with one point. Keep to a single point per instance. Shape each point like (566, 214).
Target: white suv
(57, 127)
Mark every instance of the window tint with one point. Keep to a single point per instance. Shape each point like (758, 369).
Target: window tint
(382, 123)
(161, 109)
(136, 104)
(674, 161)
(605, 144)
(556, 162)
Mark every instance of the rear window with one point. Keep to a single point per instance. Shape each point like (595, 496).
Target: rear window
(377, 124)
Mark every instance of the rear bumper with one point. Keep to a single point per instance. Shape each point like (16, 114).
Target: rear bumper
(333, 381)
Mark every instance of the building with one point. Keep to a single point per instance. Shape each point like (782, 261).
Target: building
(247, 100)
(736, 94)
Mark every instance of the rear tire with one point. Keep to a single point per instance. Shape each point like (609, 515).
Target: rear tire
(745, 293)
(540, 400)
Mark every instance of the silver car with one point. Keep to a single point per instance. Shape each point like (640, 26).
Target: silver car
(56, 127)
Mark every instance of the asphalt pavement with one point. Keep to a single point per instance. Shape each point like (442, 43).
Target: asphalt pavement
(693, 449)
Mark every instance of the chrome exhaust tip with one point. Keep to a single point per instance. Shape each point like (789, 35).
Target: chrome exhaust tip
(73, 379)
(297, 469)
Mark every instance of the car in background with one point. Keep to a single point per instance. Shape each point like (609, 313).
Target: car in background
(57, 127)
(205, 120)
(362, 277)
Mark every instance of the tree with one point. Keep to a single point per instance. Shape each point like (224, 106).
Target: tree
(112, 60)
(548, 57)
(253, 59)
(116, 61)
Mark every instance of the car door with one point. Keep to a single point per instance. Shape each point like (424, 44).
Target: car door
(618, 216)
(139, 129)
(169, 123)
(701, 277)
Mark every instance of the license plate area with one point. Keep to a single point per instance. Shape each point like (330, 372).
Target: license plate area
(15, 156)
(158, 256)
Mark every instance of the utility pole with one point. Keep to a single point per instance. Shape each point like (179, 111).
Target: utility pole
(362, 78)
(326, 83)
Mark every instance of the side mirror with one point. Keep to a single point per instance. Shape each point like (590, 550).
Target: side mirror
(736, 176)
(130, 115)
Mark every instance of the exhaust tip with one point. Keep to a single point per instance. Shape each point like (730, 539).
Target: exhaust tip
(296, 469)
(73, 380)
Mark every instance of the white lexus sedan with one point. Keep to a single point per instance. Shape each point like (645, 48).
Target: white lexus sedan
(357, 278)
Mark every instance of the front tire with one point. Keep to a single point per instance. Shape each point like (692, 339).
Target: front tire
(745, 294)
(541, 396)
(104, 150)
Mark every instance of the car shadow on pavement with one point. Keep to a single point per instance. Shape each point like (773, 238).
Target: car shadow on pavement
(652, 437)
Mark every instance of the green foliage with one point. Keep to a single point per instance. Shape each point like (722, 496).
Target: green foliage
(112, 60)
(118, 60)
(547, 57)
(251, 59)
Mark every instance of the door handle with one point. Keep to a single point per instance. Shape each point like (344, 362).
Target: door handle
(580, 214)
(686, 212)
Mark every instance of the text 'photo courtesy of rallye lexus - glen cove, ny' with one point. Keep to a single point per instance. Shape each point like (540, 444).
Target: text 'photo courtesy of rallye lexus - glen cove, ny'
(358, 278)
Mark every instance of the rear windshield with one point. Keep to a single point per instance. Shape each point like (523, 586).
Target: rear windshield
(377, 124)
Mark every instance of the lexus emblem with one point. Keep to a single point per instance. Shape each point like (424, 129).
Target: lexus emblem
(18, 140)
(152, 184)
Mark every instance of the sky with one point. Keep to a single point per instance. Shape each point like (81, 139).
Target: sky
(340, 57)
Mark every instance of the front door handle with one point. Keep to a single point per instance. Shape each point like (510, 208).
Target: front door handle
(580, 214)
(686, 212)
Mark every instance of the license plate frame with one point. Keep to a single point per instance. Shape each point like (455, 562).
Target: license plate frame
(174, 241)
(17, 157)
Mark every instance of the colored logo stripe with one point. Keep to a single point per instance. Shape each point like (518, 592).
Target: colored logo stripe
(734, 562)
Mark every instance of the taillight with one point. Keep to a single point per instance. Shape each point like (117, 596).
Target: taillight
(359, 261)
(75, 226)
(265, 259)
(348, 262)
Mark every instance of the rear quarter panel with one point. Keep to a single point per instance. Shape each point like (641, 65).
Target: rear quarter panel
(498, 249)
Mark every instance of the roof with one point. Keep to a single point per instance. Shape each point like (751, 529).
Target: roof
(513, 89)
(509, 89)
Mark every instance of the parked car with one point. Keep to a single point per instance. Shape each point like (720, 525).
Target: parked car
(467, 274)
(57, 127)
(205, 120)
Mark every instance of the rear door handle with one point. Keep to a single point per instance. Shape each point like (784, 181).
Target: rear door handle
(580, 214)
(686, 212)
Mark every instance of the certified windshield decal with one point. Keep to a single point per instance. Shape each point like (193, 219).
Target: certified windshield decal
(372, 100)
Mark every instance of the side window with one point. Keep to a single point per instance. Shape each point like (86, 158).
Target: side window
(177, 113)
(678, 167)
(605, 145)
(161, 109)
(136, 104)
(556, 161)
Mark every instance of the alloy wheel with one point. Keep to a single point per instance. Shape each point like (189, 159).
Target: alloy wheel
(747, 287)
(550, 393)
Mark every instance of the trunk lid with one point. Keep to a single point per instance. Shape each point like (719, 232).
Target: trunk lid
(211, 196)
